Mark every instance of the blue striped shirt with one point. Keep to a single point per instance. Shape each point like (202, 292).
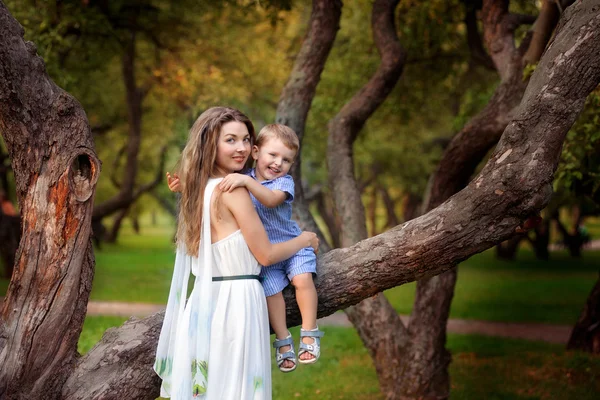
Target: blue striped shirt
(278, 220)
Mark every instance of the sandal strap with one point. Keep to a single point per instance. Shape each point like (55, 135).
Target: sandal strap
(288, 355)
(283, 342)
(308, 347)
(316, 334)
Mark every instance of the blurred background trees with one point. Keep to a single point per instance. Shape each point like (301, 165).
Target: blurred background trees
(144, 69)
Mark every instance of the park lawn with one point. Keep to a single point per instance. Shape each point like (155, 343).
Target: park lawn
(526, 290)
(482, 368)
(138, 269)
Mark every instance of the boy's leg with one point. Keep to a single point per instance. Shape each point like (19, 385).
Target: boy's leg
(306, 296)
(274, 282)
(277, 319)
(302, 268)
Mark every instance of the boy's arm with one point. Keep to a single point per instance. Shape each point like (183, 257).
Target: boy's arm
(267, 197)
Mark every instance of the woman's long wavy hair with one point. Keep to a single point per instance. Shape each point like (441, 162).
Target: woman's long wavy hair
(197, 165)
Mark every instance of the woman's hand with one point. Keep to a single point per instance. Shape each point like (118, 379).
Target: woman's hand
(173, 182)
(312, 239)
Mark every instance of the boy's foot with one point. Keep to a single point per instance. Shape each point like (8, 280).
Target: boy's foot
(284, 354)
(306, 355)
(287, 363)
(310, 346)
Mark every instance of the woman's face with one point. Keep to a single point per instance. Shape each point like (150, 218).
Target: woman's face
(233, 147)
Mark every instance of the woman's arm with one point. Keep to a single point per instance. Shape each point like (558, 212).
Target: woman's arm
(239, 204)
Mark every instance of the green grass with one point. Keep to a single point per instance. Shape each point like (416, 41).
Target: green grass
(138, 269)
(526, 290)
(482, 368)
(93, 329)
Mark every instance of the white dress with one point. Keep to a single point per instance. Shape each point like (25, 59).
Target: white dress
(216, 345)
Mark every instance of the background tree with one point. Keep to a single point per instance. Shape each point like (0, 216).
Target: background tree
(521, 169)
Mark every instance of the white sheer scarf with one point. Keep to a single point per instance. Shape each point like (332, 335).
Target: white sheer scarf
(183, 346)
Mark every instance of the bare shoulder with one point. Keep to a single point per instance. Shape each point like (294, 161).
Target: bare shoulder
(238, 197)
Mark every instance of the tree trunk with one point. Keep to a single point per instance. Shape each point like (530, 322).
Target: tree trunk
(111, 236)
(507, 250)
(412, 205)
(10, 235)
(373, 211)
(135, 96)
(327, 213)
(515, 184)
(41, 339)
(49, 142)
(572, 241)
(541, 240)
(297, 95)
(586, 332)
(375, 319)
(465, 151)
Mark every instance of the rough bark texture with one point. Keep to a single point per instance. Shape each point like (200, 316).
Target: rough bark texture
(515, 184)
(426, 361)
(375, 319)
(125, 354)
(297, 95)
(49, 142)
(586, 333)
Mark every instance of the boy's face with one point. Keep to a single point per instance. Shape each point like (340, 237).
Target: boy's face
(273, 159)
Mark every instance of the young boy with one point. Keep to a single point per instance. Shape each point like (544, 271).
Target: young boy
(272, 192)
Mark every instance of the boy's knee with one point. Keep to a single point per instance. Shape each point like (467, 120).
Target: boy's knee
(302, 280)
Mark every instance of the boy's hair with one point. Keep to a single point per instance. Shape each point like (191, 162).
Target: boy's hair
(281, 132)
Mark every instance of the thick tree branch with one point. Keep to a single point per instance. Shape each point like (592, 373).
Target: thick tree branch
(477, 51)
(296, 96)
(135, 97)
(344, 127)
(542, 30)
(515, 184)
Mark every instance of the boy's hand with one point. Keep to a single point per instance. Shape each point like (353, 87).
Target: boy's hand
(174, 182)
(313, 240)
(233, 181)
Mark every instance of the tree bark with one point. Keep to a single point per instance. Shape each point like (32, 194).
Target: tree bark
(515, 184)
(375, 319)
(49, 142)
(120, 366)
(586, 332)
(299, 91)
(427, 371)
